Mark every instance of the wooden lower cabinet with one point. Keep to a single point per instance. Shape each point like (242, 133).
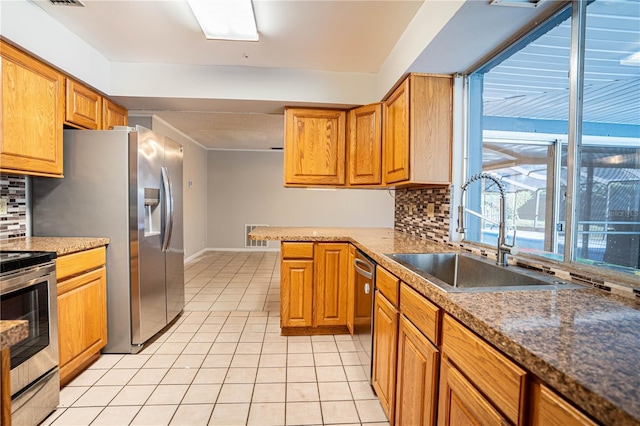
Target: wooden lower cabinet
(502, 382)
(313, 288)
(461, 404)
(550, 409)
(82, 310)
(385, 345)
(417, 379)
(331, 276)
(296, 293)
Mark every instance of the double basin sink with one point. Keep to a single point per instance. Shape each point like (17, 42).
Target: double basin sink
(463, 273)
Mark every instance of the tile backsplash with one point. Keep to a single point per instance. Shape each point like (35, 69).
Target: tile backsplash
(411, 212)
(14, 223)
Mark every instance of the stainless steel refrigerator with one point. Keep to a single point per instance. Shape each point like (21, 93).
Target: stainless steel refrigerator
(124, 184)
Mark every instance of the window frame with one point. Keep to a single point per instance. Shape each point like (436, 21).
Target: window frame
(576, 11)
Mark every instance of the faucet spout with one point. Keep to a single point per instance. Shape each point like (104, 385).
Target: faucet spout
(503, 249)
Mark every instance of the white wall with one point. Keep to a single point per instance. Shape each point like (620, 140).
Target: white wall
(246, 187)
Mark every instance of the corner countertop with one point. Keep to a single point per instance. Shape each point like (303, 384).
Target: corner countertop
(12, 332)
(60, 245)
(584, 343)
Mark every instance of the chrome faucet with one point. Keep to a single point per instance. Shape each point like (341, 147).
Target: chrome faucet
(503, 248)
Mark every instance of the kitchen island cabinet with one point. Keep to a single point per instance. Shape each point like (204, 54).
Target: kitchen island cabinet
(11, 332)
(82, 310)
(32, 115)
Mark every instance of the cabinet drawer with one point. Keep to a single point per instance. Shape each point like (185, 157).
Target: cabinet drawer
(422, 313)
(550, 409)
(76, 263)
(388, 285)
(502, 381)
(297, 250)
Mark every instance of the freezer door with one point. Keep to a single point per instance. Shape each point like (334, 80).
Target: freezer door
(148, 292)
(175, 244)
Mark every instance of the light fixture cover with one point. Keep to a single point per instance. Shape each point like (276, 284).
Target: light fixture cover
(631, 60)
(226, 19)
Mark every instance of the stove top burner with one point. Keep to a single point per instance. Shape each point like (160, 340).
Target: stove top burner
(13, 260)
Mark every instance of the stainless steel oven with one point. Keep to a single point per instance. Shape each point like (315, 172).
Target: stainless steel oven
(28, 292)
(363, 322)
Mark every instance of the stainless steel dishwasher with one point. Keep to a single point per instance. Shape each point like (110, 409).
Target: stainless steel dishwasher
(365, 279)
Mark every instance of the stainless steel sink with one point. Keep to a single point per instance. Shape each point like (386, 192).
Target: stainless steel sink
(459, 272)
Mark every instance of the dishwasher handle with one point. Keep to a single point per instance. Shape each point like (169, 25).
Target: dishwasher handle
(359, 264)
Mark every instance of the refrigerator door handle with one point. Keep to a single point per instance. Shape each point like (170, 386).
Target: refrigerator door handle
(168, 211)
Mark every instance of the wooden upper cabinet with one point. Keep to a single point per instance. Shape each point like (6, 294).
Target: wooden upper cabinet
(314, 147)
(32, 114)
(83, 106)
(365, 145)
(417, 135)
(113, 115)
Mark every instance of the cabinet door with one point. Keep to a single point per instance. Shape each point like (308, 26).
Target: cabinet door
(83, 107)
(461, 404)
(32, 115)
(314, 147)
(396, 135)
(417, 388)
(365, 145)
(331, 276)
(431, 128)
(385, 345)
(296, 293)
(82, 319)
(113, 115)
(549, 409)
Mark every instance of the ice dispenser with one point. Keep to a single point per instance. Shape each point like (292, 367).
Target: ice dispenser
(152, 209)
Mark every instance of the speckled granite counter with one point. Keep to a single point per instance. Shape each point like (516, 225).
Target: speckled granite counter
(60, 245)
(12, 332)
(584, 343)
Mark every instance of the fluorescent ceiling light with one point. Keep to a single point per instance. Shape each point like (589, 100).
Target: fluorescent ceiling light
(517, 3)
(226, 19)
(633, 60)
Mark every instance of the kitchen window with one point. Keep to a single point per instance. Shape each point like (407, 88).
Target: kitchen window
(557, 117)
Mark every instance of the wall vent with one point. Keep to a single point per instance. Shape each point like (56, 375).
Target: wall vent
(67, 3)
(248, 242)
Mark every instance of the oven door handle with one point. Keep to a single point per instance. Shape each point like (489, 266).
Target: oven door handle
(359, 263)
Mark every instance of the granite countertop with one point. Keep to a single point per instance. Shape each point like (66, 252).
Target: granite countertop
(12, 332)
(60, 245)
(584, 343)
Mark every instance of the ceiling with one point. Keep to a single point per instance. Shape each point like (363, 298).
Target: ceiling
(330, 36)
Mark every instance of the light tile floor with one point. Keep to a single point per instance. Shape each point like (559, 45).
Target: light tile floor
(224, 362)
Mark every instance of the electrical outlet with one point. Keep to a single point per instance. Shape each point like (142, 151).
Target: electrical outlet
(3, 206)
(431, 210)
